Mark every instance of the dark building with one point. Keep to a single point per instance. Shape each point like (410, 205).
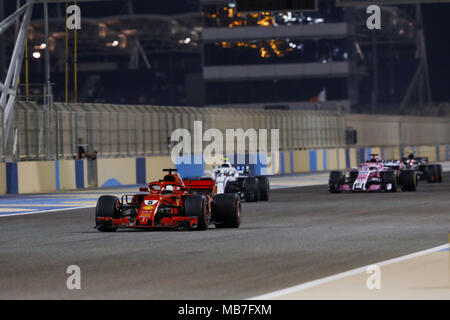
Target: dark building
(274, 59)
(209, 53)
(285, 59)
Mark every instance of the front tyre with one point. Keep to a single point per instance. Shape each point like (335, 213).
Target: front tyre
(389, 177)
(408, 180)
(336, 181)
(195, 206)
(105, 212)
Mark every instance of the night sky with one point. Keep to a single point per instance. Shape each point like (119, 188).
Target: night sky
(437, 34)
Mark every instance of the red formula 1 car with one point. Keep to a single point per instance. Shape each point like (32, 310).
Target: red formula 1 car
(374, 175)
(170, 203)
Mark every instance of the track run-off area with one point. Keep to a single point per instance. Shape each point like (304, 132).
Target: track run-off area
(306, 242)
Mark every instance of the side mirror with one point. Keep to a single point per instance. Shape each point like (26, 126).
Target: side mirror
(143, 189)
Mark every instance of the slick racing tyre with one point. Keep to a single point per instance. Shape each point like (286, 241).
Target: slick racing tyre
(336, 181)
(434, 173)
(263, 188)
(440, 173)
(408, 180)
(195, 206)
(251, 192)
(389, 177)
(105, 212)
(227, 210)
(233, 186)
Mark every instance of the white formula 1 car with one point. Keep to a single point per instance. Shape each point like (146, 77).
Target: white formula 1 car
(230, 179)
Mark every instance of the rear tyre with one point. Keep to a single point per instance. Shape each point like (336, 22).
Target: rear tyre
(440, 173)
(227, 210)
(389, 177)
(233, 186)
(434, 173)
(105, 212)
(335, 182)
(195, 206)
(251, 192)
(263, 188)
(408, 180)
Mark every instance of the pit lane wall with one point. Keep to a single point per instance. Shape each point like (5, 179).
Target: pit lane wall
(49, 176)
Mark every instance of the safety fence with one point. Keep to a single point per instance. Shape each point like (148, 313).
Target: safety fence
(136, 131)
(131, 131)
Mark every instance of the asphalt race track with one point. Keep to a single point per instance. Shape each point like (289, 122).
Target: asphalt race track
(302, 234)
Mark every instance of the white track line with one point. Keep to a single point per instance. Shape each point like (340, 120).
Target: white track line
(314, 283)
(42, 211)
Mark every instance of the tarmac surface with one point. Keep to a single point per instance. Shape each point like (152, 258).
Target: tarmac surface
(301, 234)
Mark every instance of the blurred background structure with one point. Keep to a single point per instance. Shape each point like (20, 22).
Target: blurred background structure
(207, 53)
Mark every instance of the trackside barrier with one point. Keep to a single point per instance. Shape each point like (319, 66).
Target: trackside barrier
(112, 172)
(48, 176)
(36, 176)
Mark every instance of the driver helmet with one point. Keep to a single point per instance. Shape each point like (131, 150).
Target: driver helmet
(168, 189)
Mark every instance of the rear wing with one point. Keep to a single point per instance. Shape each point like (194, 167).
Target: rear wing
(391, 164)
(202, 185)
(423, 160)
(242, 169)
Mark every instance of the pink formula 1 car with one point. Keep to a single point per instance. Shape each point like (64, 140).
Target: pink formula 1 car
(374, 175)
